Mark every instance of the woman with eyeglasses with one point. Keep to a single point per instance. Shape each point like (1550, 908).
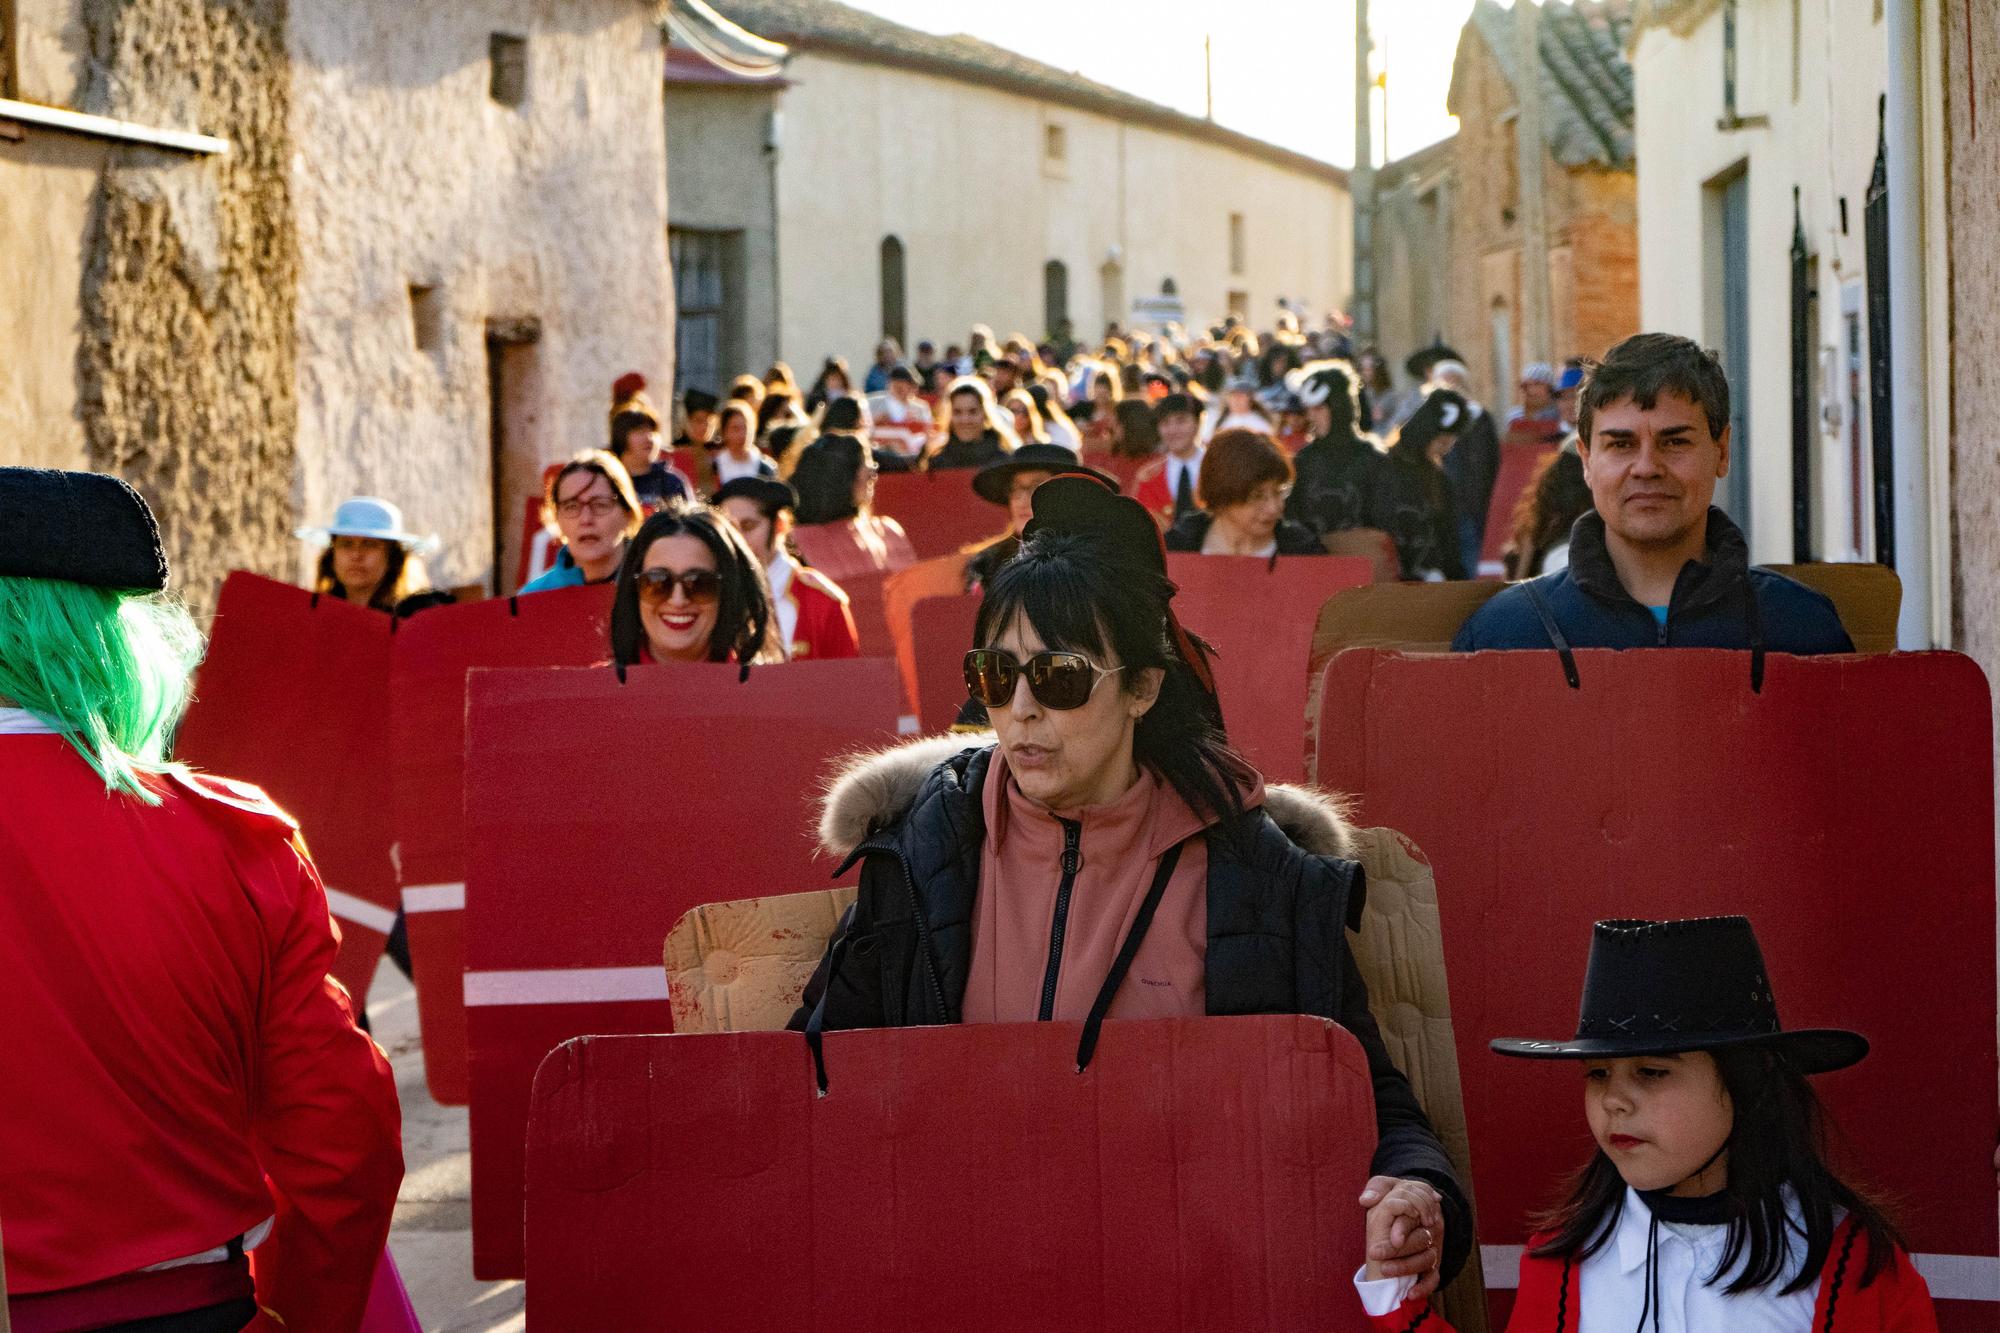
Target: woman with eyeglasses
(1242, 487)
(1106, 853)
(592, 504)
(689, 590)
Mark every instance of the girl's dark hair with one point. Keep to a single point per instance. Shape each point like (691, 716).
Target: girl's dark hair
(1551, 503)
(842, 414)
(1081, 598)
(1138, 429)
(824, 479)
(1428, 422)
(743, 618)
(1778, 1140)
(389, 591)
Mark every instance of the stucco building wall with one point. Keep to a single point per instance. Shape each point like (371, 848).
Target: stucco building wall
(550, 215)
(721, 177)
(48, 192)
(959, 173)
(1821, 139)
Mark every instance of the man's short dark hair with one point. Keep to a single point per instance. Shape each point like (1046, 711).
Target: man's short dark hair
(1647, 365)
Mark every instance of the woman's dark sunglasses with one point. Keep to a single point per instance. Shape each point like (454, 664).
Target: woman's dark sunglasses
(701, 586)
(1057, 680)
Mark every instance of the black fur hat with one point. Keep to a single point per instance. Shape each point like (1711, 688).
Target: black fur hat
(80, 527)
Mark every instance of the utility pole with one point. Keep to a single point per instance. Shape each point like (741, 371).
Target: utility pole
(1362, 185)
(1536, 331)
(1208, 73)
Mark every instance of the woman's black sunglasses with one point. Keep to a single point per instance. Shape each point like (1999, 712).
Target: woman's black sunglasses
(1057, 680)
(701, 586)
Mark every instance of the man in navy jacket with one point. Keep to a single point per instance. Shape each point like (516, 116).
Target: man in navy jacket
(1655, 565)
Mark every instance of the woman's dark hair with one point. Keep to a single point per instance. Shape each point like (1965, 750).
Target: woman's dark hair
(1081, 598)
(743, 618)
(842, 414)
(1344, 403)
(1215, 374)
(777, 403)
(824, 479)
(1138, 430)
(388, 591)
(1551, 503)
(1443, 411)
(624, 424)
(1778, 1141)
(831, 366)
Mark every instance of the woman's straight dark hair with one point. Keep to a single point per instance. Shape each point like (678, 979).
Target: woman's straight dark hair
(387, 592)
(824, 478)
(1778, 1141)
(743, 616)
(1428, 422)
(1080, 598)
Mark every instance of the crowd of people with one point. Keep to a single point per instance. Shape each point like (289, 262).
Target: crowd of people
(1105, 830)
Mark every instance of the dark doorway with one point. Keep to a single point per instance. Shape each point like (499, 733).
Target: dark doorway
(513, 400)
(1055, 295)
(895, 293)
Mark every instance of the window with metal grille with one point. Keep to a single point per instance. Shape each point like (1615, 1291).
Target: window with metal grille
(507, 56)
(704, 324)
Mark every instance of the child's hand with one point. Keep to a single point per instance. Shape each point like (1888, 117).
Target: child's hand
(1405, 1232)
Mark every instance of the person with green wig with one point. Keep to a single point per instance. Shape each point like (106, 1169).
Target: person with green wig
(193, 1133)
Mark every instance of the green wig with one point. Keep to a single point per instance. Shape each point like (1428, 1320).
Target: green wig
(109, 670)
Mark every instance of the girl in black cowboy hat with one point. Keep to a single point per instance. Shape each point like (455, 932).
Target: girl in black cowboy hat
(1708, 1204)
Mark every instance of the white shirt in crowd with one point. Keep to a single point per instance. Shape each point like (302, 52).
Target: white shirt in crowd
(903, 427)
(1190, 465)
(779, 574)
(728, 469)
(1612, 1282)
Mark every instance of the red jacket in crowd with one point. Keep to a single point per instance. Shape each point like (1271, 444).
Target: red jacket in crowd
(176, 1068)
(821, 620)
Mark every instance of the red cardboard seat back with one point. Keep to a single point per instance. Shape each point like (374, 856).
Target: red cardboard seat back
(1259, 615)
(680, 786)
(564, 627)
(939, 510)
(940, 634)
(1201, 1174)
(294, 696)
(1846, 809)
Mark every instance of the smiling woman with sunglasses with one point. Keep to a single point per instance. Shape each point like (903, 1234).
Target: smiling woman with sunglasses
(691, 591)
(1107, 854)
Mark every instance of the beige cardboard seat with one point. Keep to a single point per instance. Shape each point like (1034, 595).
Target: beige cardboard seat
(741, 967)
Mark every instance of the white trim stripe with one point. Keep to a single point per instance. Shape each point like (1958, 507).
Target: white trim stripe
(1951, 1277)
(360, 911)
(566, 985)
(434, 898)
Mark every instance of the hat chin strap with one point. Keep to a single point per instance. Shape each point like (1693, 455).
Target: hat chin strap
(1705, 1210)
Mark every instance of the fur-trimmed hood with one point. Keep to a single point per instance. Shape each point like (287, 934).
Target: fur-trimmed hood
(872, 789)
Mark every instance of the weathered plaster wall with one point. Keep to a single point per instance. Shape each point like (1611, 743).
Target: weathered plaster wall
(186, 364)
(720, 178)
(958, 173)
(408, 172)
(48, 193)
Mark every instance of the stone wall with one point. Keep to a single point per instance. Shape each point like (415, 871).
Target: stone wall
(186, 356)
(548, 216)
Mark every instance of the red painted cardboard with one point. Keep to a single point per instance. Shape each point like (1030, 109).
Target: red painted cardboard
(901, 591)
(1518, 460)
(871, 622)
(1201, 1174)
(940, 635)
(565, 627)
(679, 787)
(1259, 615)
(1847, 809)
(939, 510)
(294, 696)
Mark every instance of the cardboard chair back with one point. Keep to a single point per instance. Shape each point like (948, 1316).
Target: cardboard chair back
(294, 696)
(1199, 1174)
(1375, 546)
(940, 633)
(1854, 829)
(574, 880)
(942, 577)
(1868, 597)
(434, 653)
(1259, 615)
(741, 967)
(939, 511)
(871, 622)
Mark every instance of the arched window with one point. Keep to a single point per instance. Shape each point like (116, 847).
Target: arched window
(1055, 295)
(895, 295)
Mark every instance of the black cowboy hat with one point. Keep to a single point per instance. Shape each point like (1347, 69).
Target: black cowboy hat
(1420, 362)
(993, 481)
(79, 527)
(766, 492)
(1663, 987)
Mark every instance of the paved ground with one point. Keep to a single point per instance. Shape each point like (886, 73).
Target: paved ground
(432, 1237)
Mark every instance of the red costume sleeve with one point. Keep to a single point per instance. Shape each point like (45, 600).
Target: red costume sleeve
(327, 1131)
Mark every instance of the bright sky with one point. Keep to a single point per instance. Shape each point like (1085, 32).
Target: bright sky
(1283, 69)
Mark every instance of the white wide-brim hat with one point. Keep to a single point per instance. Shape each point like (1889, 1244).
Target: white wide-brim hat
(366, 516)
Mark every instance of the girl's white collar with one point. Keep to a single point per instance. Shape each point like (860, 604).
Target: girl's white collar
(20, 722)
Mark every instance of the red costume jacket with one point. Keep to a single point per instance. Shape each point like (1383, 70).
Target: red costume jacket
(825, 625)
(175, 1064)
(1897, 1301)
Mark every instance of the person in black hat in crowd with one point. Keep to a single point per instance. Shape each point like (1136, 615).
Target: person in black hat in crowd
(690, 590)
(812, 613)
(976, 431)
(1654, 564)
(1473, 463)
(1245, 481)
(1417, 500)
(1707, 1203)
(185, 1087)
(1011, 481)
(1170, 485)
(698, 419)
(1340, 473)
(1121, 800)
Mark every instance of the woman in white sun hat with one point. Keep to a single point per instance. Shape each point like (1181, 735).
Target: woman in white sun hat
(372, 560)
